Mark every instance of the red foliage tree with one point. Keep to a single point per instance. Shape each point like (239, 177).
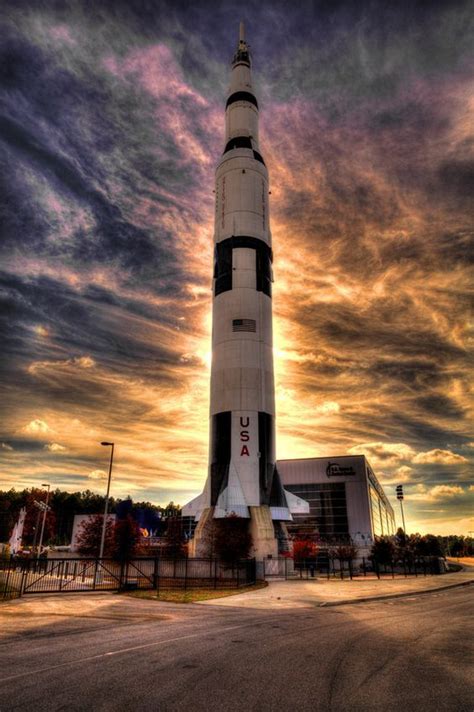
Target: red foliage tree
(90, 533)
(175, 546)
(304, 549)
(232, 539)
(127, 539)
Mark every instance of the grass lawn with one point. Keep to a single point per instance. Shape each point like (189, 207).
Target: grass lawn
(193, 595)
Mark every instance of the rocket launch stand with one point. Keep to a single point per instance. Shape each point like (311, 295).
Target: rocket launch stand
(265, 544)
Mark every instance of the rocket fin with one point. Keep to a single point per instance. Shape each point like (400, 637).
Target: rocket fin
(232, 499)
(281, 514)
(296, 504)
(195, 507)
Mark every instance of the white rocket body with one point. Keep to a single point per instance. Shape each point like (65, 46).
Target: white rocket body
(242, 462)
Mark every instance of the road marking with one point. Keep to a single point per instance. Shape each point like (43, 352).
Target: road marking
(29, 673)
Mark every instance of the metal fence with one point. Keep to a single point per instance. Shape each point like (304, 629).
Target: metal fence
(28, 576)
(23, 577)
(331, 567)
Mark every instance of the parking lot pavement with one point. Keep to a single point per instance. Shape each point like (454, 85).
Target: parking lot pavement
(111, 653)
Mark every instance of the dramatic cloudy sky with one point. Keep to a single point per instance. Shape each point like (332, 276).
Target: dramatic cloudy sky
(111, 124)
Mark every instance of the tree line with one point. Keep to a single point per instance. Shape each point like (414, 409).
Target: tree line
(65, 505)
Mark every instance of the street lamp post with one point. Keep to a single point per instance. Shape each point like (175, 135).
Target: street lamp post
(399, 490)
(104, 525)
(44, 519)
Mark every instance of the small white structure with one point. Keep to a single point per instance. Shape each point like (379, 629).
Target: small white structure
(17, 533)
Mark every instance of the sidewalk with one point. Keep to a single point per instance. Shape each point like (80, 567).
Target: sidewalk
(321, 592)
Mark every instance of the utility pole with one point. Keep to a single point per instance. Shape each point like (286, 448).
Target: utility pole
(44, 519)
(399, 490)
(106, 510)
(35, 537)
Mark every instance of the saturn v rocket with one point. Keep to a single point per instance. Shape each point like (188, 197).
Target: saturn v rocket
(243, 479)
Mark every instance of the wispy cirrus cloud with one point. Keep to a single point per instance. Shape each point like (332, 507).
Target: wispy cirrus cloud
(112, 124)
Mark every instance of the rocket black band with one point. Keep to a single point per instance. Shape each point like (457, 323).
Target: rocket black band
(258, 157)
(220, 453)
(243, 142)
(223, 263)
(238, 142)
(241, 96)
(265, 442)
(271, 489)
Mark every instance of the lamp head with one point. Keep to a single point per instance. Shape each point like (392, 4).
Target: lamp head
(104, 443)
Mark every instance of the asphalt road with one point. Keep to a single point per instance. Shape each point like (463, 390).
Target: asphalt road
(410, 654)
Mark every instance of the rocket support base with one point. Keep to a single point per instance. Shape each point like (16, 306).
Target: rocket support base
(201, 544)
(261, 528)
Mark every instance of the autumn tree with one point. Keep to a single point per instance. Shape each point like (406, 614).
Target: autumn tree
(304, 548)
(34, 518)
(345, 552)
(90, 535)
(175, 546)
(383, 550)
(126, 539)
(232, 539)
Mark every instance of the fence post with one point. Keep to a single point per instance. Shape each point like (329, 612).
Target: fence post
(238, 572)
(155, 572)
(350, 568)
(185, 573)
(215, 573)
(5, 590)
(95, 573)
(24, 574)
(393, 570)
(377, 571)
(341, 566)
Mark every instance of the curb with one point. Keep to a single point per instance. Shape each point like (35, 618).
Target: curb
(406, 594)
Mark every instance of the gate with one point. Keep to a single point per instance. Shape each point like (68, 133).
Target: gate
(23, 577)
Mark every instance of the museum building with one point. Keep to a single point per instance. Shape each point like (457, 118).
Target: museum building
(346, 500)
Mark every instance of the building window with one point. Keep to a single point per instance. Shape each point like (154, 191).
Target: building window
(327, 510)
(375, 508)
